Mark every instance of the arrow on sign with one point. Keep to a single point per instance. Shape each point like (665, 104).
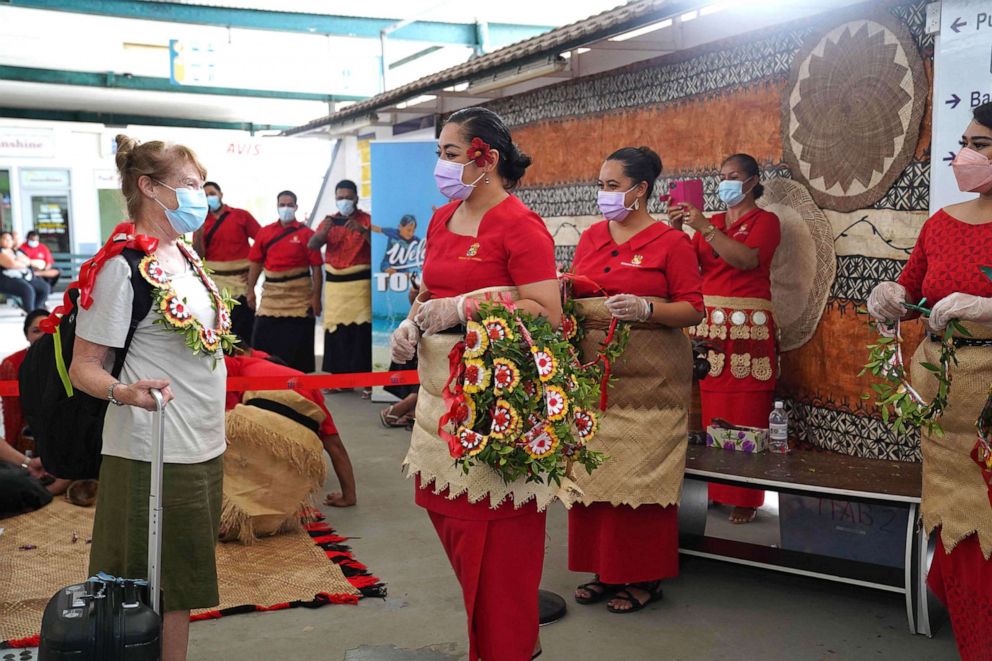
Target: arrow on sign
(953, 101)
(958, 24)
(950, 157)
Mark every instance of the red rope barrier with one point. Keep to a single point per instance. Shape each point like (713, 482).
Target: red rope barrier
(242, 383)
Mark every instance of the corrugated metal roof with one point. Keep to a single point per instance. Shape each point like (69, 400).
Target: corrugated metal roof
(608, 23)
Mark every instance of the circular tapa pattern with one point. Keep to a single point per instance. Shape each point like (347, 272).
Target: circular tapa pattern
(804, 265)
(851, 117)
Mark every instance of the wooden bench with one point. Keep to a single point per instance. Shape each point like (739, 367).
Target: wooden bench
(69, 264)
(818, 474)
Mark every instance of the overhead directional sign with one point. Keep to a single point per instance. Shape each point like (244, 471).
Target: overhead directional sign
(962, 81)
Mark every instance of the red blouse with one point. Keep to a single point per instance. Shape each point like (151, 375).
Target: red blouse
(290, 252)
(230, 242)
(513, 248)
(657, 261)
(346, 247)
(756, 229)
(947, 258)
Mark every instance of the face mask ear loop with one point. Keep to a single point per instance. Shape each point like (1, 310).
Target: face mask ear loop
(636, 204)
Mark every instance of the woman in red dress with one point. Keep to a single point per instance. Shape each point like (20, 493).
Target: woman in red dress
(626, 529)
(945, 268)
(735, 254)
(485, 238)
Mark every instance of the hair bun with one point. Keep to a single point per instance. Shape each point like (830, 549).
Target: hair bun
(653, 159)
(125, 148)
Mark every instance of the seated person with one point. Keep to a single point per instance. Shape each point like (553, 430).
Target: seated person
(17, 277)
(42, 262)
(24, 484)
(258, 363)
(13, 420)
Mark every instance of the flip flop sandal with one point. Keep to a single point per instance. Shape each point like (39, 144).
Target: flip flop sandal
(597, 595)
(749, 519)
(389, 420)
(654, 594)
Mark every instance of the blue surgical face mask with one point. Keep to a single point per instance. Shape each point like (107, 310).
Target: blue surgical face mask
(731, 192)
(191, 212)
(346, 207)
(214, 202)
(287, 214)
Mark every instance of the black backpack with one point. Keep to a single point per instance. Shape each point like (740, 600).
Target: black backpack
(68, 427)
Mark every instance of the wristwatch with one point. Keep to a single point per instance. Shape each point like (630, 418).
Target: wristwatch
(110, 394)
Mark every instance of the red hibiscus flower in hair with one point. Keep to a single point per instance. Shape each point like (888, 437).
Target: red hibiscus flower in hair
(479, 152)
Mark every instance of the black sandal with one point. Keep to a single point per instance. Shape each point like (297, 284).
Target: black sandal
(653, 588)
(604, 590)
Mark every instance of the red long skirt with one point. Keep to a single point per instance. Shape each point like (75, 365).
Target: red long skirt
(962, 580)
(739, 408)
(623, 544)
(498, 557)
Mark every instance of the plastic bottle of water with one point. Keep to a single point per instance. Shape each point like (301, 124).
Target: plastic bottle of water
(778, 429)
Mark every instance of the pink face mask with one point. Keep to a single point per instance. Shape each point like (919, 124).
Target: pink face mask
(973, 171)
(448, 177)
(611, 204)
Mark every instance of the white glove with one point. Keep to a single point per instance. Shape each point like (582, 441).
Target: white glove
(403, 342)
(440, 314)
(885, 301)
(627, 307)
(963, 307)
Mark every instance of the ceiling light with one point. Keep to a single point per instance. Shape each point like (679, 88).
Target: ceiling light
(712, 9)
(415, 101)
(643, 30)
(578, 51)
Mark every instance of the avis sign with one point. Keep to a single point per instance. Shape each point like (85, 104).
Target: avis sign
(962, 81)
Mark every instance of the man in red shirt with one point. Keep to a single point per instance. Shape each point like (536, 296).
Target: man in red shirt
(42, 262)
(348, 288)
(291, 290)
(223, 242)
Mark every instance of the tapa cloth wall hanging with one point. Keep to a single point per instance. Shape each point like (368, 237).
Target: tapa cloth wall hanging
(852, 113)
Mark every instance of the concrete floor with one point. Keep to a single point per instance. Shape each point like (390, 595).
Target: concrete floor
(712, 611)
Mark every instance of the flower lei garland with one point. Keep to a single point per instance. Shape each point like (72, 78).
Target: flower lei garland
(895, 396)
(175, 313)
(517, 399)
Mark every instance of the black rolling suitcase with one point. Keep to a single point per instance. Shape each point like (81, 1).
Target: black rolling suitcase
(108, 618)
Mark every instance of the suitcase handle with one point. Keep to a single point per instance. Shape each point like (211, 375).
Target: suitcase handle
(155, 501)
(131, 599)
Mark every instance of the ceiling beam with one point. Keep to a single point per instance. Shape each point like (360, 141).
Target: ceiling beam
(128, 81)
(464, 34)
(114, 119)
(415, 56)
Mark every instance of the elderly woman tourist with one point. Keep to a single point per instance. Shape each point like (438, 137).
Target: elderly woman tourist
(163, 186)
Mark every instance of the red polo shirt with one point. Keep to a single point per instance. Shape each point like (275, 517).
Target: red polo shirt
(290, 252)
(513, 248)
(13, 417)
(756, 229)
(230, 242)
(657, 261)
(345, 247)
(41, 252)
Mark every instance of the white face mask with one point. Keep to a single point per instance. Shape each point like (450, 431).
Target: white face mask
(346, 207)
(287, 214)
(33, 243)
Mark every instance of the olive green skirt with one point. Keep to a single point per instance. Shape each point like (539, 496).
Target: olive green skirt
(191, 500)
